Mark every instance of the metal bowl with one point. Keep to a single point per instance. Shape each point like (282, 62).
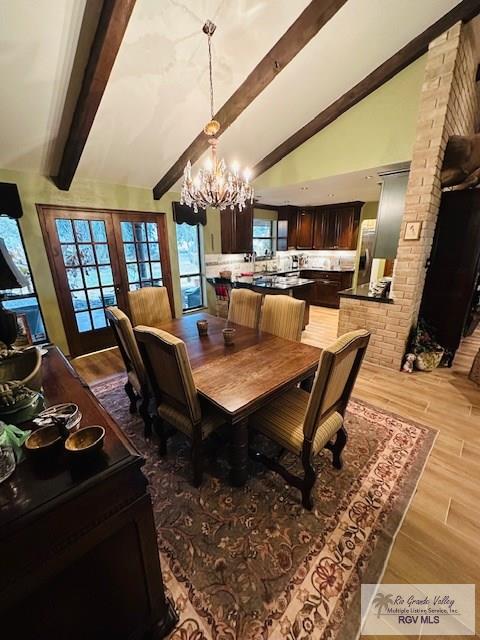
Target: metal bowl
(66, 413)
(44, 440)
(24, 410)
(85, 440)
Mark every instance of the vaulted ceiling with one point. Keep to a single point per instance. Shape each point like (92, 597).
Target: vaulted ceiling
(156, 100)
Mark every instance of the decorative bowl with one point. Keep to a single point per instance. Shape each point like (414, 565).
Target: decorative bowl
(43, 441)
(23, 366)
(85, 440)
(65, 416)
(28, 406)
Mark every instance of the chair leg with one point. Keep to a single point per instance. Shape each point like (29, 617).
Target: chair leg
(338, 446)
(132, 396)
(197, 459)
(146, 417)
(159, 429)
(308, 482)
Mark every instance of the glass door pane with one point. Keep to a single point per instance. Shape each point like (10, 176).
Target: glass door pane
(86, 257)
(141, 251)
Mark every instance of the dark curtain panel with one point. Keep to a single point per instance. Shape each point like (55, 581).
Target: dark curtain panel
(185, 214)
(10, 200)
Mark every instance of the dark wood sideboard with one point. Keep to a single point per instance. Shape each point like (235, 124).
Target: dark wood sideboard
(78, 548)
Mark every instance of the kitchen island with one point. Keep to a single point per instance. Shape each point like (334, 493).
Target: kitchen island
(274, 284)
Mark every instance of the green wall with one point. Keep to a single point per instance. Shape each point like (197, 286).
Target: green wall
(379, 130)
(35, 189)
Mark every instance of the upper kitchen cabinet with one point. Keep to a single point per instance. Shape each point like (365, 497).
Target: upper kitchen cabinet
(336, 226)
(236, 229)
(390, 214)
(305, 224)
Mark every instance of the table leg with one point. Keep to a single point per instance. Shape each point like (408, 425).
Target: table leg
(307, 384)
(239, 452)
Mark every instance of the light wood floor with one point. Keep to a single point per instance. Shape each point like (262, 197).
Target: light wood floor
(439, 541)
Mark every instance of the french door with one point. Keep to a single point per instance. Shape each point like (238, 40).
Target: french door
(96, 257)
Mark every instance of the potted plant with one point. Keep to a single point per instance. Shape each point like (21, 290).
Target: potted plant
(428, 353)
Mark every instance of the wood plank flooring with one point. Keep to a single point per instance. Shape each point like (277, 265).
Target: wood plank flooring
(439, 541)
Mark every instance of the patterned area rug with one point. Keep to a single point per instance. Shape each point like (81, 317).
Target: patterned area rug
(251, 563)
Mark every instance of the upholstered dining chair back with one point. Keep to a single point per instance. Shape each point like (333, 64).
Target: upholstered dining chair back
(122, 328)
(169, 371)
(245, 307)
(283, 316)
(336, 374)
(149, 306)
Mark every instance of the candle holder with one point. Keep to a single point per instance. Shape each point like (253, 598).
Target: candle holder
(228, 336)
(202, 326)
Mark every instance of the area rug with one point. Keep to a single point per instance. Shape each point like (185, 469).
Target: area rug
(251, 563)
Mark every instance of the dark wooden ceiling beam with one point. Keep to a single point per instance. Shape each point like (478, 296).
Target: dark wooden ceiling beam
(464, 11)
(307, 25)
(109, 34)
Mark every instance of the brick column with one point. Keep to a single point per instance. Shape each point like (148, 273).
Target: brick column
(448, 105)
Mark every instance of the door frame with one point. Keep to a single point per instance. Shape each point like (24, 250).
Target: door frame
(58, 280)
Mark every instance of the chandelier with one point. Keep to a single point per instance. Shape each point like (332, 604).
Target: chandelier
(215, 185)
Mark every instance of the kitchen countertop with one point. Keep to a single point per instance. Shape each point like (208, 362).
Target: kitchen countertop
(276, 282)
(307, 268)
(361, 292)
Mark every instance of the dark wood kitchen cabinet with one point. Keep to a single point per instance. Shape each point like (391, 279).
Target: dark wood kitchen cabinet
(336, 226)
(236, 229)
(305, 224)
(324, 291)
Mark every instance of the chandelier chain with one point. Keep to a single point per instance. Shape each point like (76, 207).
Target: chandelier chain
(212, 112)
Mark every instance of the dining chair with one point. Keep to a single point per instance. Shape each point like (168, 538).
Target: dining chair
(305, 423)
(136, 386)
(245, 307)
(176, 398)
(283, 316)
(149, 306)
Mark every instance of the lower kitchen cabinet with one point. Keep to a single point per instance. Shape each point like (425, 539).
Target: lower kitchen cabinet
(324, 292)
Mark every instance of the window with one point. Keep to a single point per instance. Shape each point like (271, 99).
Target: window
(190, 266)
(22, 301)
(263, 237)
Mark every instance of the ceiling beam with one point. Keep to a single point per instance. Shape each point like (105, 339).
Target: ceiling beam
(464, 11)
(108, 37)
(305, 27)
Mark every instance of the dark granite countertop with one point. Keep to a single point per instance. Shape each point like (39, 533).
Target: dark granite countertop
(307, 268)
(361, 292)
(279, 283)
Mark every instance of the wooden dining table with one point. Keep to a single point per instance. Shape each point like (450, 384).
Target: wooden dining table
(239, 379)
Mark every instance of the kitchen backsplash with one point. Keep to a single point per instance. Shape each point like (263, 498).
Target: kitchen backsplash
(282, 261)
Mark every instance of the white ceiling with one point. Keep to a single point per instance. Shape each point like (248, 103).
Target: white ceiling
(156, 101)
(38, 40)
(347, 187)
(360, 37)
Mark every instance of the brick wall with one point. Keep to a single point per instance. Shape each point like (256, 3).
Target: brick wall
(448, 105)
